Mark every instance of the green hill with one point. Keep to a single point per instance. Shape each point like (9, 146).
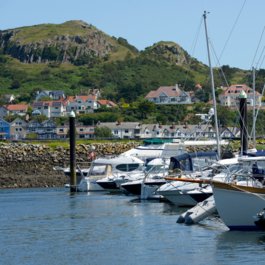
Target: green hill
(76, 56)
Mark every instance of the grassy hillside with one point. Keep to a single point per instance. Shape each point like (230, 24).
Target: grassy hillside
(75, 56)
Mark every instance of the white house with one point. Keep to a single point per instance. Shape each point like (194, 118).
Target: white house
(16, 109)
(82, 104)
(18, 129)
(123, 130)
(50, 109)
(169, 95)
(230, 96)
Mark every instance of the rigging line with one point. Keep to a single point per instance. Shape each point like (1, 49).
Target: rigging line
(233, 27)
(260, 106)
(194, 44)
(258, 46)
(262, 52)
(261, 62)
(218, 63)
(196, 37)
(258, 109)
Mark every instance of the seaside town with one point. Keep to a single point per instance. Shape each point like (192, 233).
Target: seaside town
(23, 122)
(128, 146)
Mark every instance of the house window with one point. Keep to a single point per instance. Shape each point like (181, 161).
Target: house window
(126, 131)
(116, 132)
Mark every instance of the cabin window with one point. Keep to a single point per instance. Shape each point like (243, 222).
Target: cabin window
(127, 167)
(122, 167)
(98, 170)
(132, 167)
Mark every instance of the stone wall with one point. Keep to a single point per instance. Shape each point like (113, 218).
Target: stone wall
(28, 165)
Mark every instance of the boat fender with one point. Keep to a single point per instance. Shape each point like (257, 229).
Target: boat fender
(260, 222)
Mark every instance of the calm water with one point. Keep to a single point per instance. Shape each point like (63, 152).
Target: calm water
(49, 226)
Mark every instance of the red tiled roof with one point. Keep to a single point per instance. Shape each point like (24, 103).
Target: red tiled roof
(17, 107)
(106, 102)
(170, 91)
(83, 98)
(236, 89)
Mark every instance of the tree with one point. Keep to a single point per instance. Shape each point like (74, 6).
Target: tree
(145, 107)
(103, 132)
(15, 84)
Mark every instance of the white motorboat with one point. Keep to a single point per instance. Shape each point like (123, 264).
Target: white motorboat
(109, 168)
(168, 149)
(82, 171)
(191, 165)
(152, 178)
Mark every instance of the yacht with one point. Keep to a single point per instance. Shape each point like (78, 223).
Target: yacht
(110, 167)
(240, 200)
(182, 193)
(152, 178)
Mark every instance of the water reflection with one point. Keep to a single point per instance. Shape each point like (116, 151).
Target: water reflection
(239, 238)
(250, 245)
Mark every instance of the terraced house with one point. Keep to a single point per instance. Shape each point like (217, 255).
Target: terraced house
(82, 104)
(50, 109)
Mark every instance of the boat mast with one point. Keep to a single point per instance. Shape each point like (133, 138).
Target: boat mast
(213, 90)
(254, 107)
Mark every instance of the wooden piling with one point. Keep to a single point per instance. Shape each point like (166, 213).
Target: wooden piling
(243, 122)
(72, 152)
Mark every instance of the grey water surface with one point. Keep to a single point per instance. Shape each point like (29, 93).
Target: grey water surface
(52, 226)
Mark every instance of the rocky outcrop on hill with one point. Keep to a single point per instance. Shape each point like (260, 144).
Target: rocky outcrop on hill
(28, 165)
(73, 41)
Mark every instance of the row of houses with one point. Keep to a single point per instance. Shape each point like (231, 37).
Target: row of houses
(48, 129)
(228, 97)
(58, 108)
(60, 105)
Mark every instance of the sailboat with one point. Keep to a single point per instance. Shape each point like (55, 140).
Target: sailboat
(191, 194)
(240, 199)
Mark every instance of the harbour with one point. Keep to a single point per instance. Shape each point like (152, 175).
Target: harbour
(53, 226)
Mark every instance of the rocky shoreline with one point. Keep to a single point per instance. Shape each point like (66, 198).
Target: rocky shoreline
(32, 165)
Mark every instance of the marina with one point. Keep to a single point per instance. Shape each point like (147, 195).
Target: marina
(51, 226)
(160, 175)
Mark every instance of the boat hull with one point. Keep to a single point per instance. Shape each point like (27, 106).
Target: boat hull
(110, 185)
(87, 184)
(183, 199)
(132, 188)
(238, 208)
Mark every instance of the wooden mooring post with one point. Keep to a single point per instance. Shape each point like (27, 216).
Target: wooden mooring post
(243, 122)
(73, 187)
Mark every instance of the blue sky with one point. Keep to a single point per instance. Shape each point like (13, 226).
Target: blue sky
(235, 26)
